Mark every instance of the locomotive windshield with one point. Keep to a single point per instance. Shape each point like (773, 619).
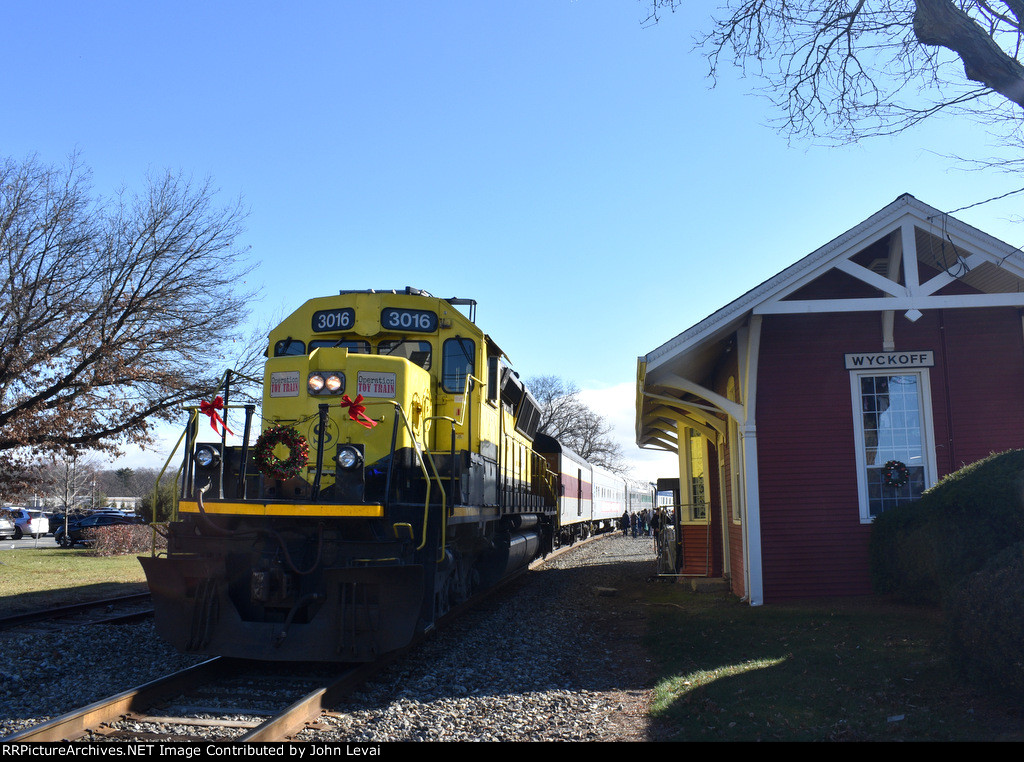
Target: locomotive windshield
(354, 347)
(415, 351)
(419, 352)
(289, 346)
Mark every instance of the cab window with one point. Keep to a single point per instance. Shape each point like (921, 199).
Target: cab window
(353, 346)
(457, 363)
(493, 378)
(418, 352)
(289, 346)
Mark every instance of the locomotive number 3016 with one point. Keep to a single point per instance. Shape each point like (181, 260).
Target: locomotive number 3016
(334, 320)
(392, 319)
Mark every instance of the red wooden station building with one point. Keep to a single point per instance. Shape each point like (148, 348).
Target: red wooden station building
(849, 382)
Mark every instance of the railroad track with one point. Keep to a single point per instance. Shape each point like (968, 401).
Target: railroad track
(104, 611)
(216, 700)
(222, 700)
(226, 699)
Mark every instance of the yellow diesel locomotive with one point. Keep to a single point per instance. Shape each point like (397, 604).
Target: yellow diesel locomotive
(394, 476)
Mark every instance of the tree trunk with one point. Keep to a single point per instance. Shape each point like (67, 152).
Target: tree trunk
(941, 23)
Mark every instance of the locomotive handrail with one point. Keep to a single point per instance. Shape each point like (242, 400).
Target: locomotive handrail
(225, 404)
(548, 477)
(421, 450)
(470, 378)
(178, 473)
(193, 417)
(192, 428)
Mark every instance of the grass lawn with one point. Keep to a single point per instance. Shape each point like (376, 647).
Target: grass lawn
(33, 578)
(857, 670)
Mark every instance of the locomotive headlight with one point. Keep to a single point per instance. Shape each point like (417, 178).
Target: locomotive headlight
(349, 457)
(335, 383)
(331, 382)
(207, 456)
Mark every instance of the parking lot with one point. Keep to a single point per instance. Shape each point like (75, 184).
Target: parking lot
(76, 532)
(29, 542)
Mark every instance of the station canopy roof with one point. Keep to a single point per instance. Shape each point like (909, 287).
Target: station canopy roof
(905, 259)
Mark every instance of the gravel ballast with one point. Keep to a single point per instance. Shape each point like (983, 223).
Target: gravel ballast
(557, 656)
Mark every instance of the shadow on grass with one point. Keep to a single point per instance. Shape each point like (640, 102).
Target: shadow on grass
(43, 599)
(861, 670)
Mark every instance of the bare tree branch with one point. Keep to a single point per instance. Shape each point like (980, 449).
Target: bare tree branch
(850, 69)
(114, 311)
(566, 418)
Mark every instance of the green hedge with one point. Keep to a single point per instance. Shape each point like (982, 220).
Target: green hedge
(921, 550)
(985, 621)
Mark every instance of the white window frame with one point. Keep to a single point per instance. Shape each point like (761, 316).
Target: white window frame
(927, 430)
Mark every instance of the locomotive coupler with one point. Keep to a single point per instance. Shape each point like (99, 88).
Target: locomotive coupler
(271, 586)
(304, 600)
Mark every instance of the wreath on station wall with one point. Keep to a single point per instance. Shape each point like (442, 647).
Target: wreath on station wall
(274, 467)
(895, 473)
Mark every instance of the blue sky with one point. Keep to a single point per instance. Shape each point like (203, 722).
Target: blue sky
(566, 167)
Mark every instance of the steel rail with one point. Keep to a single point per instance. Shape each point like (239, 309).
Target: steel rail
(14, 620)
(282, 726)
(75, 724)
(289, 722)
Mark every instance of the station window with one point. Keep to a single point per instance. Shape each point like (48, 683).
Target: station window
(457, 364)
(892, 420)
(697, 476)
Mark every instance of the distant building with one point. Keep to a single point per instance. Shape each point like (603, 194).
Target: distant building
(85, 503)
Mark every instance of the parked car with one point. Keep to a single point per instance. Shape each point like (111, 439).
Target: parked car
(112, 512)
(75, 534)
(29, 522)
(7, 529)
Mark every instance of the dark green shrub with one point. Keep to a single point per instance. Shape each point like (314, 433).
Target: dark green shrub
(985, 619)
(158, 501)
(920, 550)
